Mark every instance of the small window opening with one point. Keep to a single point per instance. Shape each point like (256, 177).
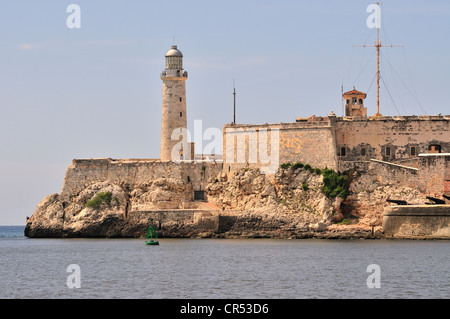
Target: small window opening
(342, 151)
(363, 151)
(388, 151)
(181, 99)
(413, 151)
(181, 114)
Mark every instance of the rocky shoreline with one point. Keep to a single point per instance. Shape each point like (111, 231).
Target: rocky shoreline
(97, 231)
(344, 234)
(243, 204)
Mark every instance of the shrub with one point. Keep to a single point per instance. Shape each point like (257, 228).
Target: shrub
(297, 165)
(334, 184)
(285, 165)
(308, 167)
(103, 197)
(305, 186)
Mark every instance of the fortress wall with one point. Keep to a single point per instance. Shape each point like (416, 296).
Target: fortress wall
(397, 133)
(309, 143)
(314, 146)
(393, 174)
(434, 173)
(86, 171)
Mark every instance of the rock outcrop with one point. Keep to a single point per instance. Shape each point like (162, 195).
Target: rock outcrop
(245, 203)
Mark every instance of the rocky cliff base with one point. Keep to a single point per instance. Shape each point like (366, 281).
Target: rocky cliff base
(245, 204)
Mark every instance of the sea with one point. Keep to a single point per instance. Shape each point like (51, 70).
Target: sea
(221, 268)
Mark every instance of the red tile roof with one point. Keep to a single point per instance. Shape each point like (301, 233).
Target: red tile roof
(355, 92)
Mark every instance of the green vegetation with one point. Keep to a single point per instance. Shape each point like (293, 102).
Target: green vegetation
(346, 221)
(334, 183)
(103, 197)
(305, 186)
(297, 165)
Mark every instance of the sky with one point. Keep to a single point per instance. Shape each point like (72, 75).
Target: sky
(95, 91)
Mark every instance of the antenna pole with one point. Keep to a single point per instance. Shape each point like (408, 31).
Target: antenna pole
(234, 104)
(378, 47)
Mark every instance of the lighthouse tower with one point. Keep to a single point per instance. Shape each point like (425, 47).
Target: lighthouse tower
(174, 120)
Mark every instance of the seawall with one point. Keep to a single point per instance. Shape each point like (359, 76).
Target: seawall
(417, 222)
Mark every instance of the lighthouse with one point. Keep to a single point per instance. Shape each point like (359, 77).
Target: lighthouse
(174, 145)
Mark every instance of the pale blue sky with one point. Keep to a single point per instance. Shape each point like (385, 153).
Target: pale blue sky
(96, 92)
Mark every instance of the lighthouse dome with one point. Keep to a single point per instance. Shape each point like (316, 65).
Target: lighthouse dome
(174, 52)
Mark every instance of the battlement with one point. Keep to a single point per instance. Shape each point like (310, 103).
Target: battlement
(323, 119)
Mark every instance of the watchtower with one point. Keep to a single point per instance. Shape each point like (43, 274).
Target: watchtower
(354, 103)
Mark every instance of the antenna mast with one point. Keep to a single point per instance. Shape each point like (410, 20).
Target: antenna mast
(378, 46)
(234, 104)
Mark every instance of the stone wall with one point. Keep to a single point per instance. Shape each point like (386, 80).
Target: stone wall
(417, 222)
(394, 174)
(132, 172)
(434, 174)
(306, 142)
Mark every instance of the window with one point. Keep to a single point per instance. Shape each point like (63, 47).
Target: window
(174, 62)
(388, 151)
(353, 100)
(434, 148)
(348, 101)
(360, 101)
(363, 151)
(199, 195)
(181, 114)
(342, 151)
(181, 99)
(413, 151)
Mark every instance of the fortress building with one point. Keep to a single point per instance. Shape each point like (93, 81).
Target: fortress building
(352, 141)
(345, 142)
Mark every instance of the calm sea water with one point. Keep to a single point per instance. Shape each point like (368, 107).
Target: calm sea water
(221, 268)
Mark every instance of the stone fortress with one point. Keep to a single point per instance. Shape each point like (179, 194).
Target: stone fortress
(187, 195)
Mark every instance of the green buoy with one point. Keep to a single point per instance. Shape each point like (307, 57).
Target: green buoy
(151, 235)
